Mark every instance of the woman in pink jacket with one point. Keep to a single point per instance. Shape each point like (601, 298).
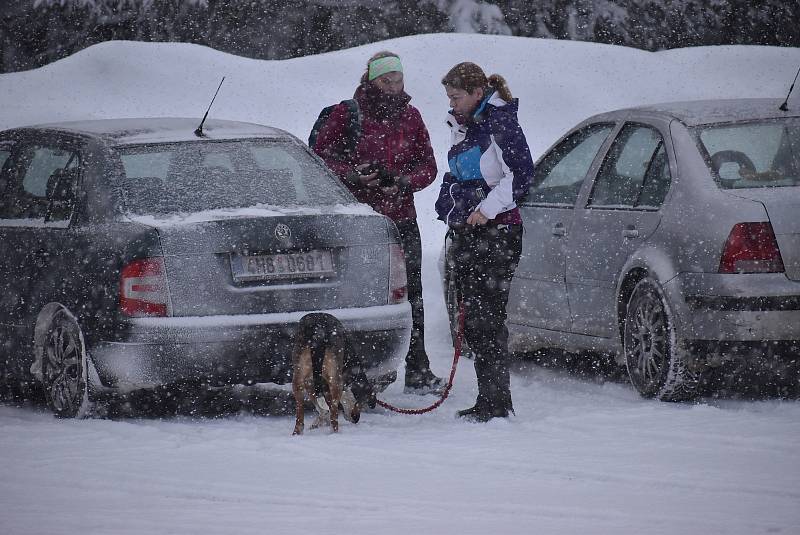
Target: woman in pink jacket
(390, 160)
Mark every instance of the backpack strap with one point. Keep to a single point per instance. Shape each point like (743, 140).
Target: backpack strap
(353, 128)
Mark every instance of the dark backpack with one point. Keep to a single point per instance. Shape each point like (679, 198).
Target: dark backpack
(352, 130)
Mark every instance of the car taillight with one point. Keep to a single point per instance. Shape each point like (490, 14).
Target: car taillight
(397, 274)
(751, 248)
(143, 288)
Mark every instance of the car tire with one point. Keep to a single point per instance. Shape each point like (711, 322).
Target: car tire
(64, 367)
(655, 363)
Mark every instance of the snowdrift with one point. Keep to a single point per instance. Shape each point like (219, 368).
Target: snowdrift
(581, 455)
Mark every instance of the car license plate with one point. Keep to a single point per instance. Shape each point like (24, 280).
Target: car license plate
(316, 263)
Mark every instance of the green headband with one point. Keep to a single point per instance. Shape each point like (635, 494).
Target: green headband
(380, 66)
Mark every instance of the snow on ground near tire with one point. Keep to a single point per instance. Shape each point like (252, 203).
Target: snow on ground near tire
(582, 455)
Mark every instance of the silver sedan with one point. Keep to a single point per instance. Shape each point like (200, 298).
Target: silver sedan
(669, 237)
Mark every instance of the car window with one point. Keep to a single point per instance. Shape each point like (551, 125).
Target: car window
(278, 163)
(37, 170)
(147, 163)
(4, 154)
(43, 162)
(656, 180)
(753, 155)
(636, 159)
(218, 159)
(560, 174)
(6, 178)
(196, 176)
(62, 188)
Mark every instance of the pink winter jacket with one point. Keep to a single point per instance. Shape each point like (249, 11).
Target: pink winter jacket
(402, 145)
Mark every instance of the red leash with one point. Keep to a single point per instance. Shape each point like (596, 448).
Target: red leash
(456, 355)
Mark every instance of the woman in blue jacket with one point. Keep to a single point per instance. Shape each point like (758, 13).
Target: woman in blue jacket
(490, 171)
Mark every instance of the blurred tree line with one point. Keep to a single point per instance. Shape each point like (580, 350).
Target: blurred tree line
(36, 32)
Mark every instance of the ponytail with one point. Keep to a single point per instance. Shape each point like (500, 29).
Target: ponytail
(498, 83)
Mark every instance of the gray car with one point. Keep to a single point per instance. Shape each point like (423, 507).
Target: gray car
(136, 253)
(669, 237)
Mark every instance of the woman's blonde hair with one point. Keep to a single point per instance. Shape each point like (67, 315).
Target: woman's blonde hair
(379, 55)
(469, 77)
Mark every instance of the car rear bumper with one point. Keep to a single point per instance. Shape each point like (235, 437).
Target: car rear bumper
(741, 307)
(241, 349)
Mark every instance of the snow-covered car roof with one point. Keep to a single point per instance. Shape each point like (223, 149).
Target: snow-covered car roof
(698, 112)
(163, 129)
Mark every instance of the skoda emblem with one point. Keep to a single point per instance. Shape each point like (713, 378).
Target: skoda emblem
(282, 232)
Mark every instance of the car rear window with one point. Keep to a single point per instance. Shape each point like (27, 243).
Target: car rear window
(755, 154)
(206, 175)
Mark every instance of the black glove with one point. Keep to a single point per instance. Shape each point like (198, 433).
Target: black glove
(354, 179)
(386, 178)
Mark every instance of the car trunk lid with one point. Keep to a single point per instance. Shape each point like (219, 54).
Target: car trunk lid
(283, 263)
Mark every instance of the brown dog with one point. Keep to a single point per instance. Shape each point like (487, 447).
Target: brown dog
(318, 362)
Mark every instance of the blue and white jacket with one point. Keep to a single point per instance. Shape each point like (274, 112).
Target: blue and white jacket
(490, 165)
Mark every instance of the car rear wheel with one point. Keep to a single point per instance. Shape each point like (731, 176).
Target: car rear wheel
(653, 357)
(64, 367)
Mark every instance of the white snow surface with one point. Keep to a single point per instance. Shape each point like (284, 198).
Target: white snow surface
(253, 211)
(582, 455)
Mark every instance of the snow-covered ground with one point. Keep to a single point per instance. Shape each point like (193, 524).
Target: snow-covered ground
(582, 455)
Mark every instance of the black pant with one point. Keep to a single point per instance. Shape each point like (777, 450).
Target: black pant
(417, 359)
(485, 260)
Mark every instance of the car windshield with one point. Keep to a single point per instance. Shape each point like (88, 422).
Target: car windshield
(755, 154)
(206, 175)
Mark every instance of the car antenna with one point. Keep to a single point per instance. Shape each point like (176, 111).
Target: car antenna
(199, 131)
(784, 106)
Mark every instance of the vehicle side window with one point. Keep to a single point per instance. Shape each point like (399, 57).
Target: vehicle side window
(656, 181)
(635, 171)
(44, 161)
(5, 171)
(6, 180)
(559, 176)
(62, 188)
(42, 169)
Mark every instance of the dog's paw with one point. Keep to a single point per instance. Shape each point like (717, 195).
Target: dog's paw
(350, 408)
(322, 420)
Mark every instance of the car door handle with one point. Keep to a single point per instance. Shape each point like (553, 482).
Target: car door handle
(630, 233)
(559, 229)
